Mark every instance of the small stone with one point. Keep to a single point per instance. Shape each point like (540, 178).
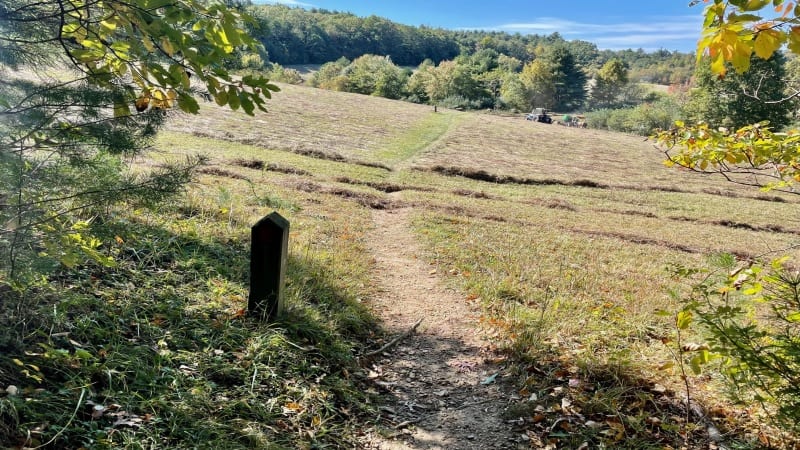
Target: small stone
(471, 437)
(593, 424)
(658, 389)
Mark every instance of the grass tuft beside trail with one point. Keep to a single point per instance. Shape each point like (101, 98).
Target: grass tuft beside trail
(157, 352)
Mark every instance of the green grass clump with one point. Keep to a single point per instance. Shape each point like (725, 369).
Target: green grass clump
(156, 352)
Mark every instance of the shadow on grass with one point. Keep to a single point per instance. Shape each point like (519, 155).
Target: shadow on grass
(609, 404)
(157, 352)
(552, 404)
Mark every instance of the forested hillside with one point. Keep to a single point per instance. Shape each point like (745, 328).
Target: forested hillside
(316, 36)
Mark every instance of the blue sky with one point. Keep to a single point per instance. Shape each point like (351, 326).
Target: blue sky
(613, 24)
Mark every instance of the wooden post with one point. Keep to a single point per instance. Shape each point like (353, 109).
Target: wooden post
(268, 252)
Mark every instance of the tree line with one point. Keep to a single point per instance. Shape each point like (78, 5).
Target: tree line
(294, 36)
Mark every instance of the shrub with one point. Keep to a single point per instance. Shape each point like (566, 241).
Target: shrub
(460, 102)
(284, 75)
(330, 75)
(252, 61)
(750, 316)
(642, 119)
(598, 118)
(620, 120)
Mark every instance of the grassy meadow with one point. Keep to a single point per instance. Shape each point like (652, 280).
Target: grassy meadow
(560, 236)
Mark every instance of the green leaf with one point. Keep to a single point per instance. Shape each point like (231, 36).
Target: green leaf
(683, 319)
(232, 33)
(694, 364)
(247, 104)
(233, 98)
(188, 104)
(738, 18)
(221, 98)
(755, 5)
(122, 110)
(83, 354)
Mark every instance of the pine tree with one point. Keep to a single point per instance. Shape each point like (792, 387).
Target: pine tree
(82, 87)
(569, 79)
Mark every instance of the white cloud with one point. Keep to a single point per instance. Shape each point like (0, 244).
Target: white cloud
(285, 2)
(658, 32)
(646, 41)
(567, 27)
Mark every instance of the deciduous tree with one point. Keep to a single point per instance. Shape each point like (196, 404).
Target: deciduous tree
(734, 32)
(539, 79)
(608, 84)
(375, 75)
(749, 313)
(450, 79)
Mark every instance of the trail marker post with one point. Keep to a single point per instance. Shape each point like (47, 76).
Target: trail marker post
(268, 253)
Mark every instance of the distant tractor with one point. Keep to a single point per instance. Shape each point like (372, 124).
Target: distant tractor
(539, 115)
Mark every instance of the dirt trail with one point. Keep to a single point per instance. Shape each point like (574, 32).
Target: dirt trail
(433, 380)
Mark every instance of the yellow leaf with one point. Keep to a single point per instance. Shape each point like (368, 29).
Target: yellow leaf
(741, 59)
(767, 42)
(666, 365)
(148, 44)
(683, 319)
(166, 45)
(718, 65)
(794, 40)
(755, 5)
(108, 25)
(292, 407)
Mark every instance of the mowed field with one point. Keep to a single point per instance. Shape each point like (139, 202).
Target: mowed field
(583, 182)
(562, 237)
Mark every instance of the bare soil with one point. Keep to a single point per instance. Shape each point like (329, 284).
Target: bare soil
(444, 389)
